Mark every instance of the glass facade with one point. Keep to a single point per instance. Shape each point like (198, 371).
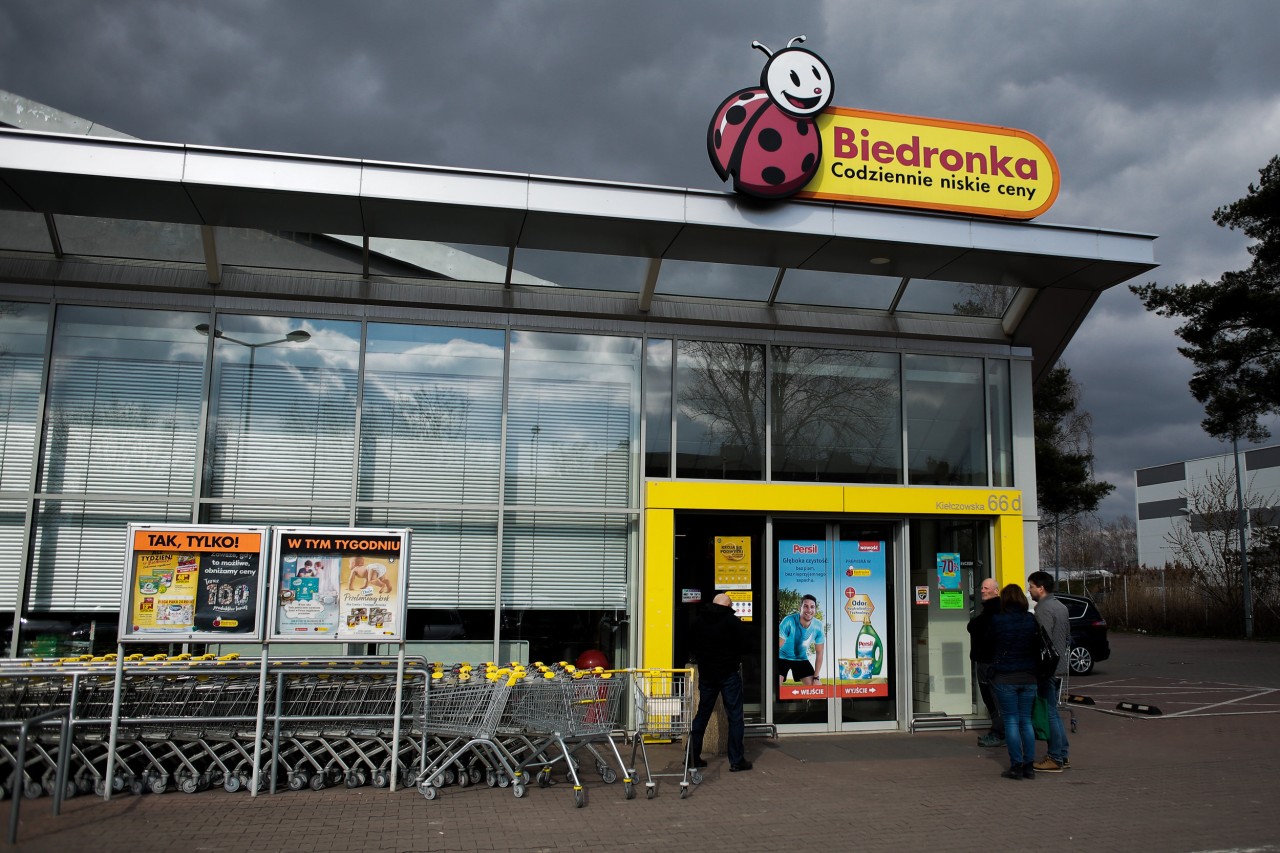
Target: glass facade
(515, 456)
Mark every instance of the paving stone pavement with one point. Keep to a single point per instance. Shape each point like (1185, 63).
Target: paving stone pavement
(1188, 783)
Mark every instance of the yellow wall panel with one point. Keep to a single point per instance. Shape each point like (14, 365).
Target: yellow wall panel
(659, 587)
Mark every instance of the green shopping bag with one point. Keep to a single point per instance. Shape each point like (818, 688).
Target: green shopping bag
(1040, 712)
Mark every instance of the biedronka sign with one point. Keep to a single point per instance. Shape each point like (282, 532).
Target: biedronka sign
(783, 139)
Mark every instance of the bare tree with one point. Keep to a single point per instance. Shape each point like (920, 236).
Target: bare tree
(1207, 542)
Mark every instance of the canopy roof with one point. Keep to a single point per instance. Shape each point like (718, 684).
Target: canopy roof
(659, 253)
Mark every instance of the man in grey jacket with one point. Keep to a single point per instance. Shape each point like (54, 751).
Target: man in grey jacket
(1052, 616)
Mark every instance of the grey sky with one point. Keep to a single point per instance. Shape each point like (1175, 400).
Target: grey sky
(1158, 111)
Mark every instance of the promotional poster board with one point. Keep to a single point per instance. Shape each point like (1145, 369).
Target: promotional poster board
(200, 583)
(339, 584)
(819, 631)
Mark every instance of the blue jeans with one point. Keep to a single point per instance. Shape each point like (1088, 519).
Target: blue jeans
(730, 690)
(1015, 706)
(1057, 734)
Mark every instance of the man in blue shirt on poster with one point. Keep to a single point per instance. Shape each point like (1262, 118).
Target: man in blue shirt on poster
(795, 634)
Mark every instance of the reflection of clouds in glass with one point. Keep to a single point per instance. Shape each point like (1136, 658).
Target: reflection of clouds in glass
(722, 281)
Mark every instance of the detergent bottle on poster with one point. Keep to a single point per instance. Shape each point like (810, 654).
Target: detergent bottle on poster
(870, 647)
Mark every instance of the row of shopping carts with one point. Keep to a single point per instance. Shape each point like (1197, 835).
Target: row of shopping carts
(189, 724)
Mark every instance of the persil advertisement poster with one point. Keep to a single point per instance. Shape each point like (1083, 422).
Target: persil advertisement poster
(195, 582)
(340, 585)
(832, 609)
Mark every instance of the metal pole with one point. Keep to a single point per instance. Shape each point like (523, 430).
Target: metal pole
(395, 723)
(1241, 516)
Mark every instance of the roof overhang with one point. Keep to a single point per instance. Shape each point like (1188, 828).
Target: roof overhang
(132, 179)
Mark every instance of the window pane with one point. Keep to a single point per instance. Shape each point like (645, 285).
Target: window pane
(432, 415)
(572, 419)
(282, 428)
(946, 421)
(13, 523)
(565, 561)
(837, 416)
(453, 558)
(846, 290)
(124, 402)
(657, 409)
(23, 329)
(579, 270)
(720, 398)
(960, 298)
(1001, 422)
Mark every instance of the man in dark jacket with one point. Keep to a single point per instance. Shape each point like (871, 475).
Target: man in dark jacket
(717, 647)
(982, 653)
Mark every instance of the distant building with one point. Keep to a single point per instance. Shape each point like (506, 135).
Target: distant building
(1162, 496)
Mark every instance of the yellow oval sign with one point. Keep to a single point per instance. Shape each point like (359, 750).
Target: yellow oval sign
(907, 161)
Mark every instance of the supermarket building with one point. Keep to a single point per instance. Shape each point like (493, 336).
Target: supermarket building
(594, 404)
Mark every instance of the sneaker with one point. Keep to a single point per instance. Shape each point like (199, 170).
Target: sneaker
(1014, 772)
(1028, 771)
(698, 761)
(740, 766)
(991, 739)
(1049, 765)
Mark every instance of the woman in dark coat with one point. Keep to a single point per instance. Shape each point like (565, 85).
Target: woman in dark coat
(1013, 633)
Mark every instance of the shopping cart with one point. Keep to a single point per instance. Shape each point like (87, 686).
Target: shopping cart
(468, 708)
(664, 711)
(572, 710)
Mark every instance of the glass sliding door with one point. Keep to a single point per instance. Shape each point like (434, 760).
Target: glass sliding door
(833, 638)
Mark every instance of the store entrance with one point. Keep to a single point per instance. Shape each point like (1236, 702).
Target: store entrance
(723, 553)
(833, 635)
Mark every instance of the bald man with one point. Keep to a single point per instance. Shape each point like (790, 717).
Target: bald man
(982, 653)
(717, 642)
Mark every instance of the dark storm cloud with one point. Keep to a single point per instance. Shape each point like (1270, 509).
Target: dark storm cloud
(1157, 111)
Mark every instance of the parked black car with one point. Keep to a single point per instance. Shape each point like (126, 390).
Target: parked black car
(1088, 633)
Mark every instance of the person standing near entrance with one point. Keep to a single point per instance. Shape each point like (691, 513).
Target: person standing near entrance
(1053, 617)
(982, 653)
(717, 643)
(1014, 637)
(796, 633)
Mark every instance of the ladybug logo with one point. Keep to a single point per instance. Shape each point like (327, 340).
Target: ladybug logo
(765, 137)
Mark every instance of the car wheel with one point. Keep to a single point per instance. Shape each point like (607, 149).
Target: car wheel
(1081, 660)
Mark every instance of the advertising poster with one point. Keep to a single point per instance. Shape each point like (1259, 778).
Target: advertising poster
(733, 562)
(862, 659)
(804, 577)
(193, 583)
(949, 595)
(339, 585)
(308, 598)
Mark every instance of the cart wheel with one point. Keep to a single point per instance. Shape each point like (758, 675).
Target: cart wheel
(450, 776)
(428, 791)
(491, 778)
(381, 778)
(136, 787)
(70, 790)
(204, 783)
(317, 782)
(608, 774)
(231, 784)
(695, 776)
(100, 787)
(158, 785)
(352, 779)
(544, 777)
(437, 781)
(629, 789)
(684, 791)
(503, 781)
(476, 772)
(85, 784)
(191, 784)
(579, 797)
(119, 783)
(650, 792)
(518, 790)
(464, 779)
